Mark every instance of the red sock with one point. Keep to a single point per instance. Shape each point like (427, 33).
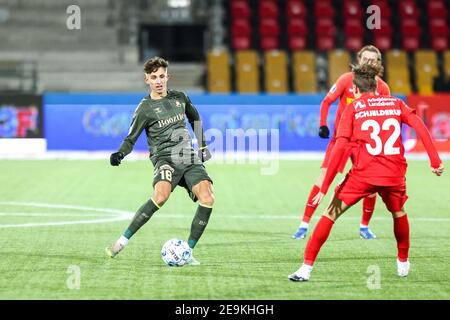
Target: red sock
(401, 231)
(368, 208)
(310, 208)
(318, 238)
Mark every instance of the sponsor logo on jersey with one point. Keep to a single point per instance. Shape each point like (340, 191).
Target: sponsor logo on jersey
(178, 104)
(165, 122)
(158, 110)
(360, 105)
(381, 102)
(349, 100)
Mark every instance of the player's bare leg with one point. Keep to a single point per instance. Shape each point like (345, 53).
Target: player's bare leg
(205, 195)
(320, 234)
(310, 208)
(401, 232)
(160, 195)
(368, 208)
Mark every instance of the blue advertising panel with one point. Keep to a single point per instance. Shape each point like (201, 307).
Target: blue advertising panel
(101, 121)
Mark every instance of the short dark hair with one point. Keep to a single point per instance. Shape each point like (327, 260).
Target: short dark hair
(153, 64)
(364, 76)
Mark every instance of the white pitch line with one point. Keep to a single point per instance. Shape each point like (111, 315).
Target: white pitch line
(120, 215)
(47, 214)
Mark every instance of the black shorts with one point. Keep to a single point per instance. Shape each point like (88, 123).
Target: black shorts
(182, 175)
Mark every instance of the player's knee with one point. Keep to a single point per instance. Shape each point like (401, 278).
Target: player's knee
(206, 198)
(161, 197)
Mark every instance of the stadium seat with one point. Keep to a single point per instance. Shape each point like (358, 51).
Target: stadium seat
(241, 34)
(426, 69)
(296, 9)
(439, 32)
(354, 34)
(324, 10)
(247, 71)
(397, 72)
(446, 56)
(410, 31)
(218, 62)
(408, 9)
(385, 8)
(297, 31)
(268, 9)
(338, 63)
(382, 37)
(352, 9)
(269, 31)
(275, 71)
(304, 71)
(325, 34)
(240, 9)
(437, 9)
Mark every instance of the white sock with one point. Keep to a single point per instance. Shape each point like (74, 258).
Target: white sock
(123, 241)
(304, 225)
(363, 225)
(307, 267)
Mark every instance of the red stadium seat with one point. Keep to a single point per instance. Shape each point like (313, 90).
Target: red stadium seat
(241, 31)
(297, 31)
(268, 9)
(439, 43)
(240, 9)
(297, 27)
(352, 9)
(408, 9)
(385, 8)
(325, 34)
(269, 31)
(354, 34)
(324, 9)
(436, 9)
(296, 9)
(410, 27)
(383, 37)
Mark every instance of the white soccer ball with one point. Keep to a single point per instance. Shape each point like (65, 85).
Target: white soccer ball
(176, 253)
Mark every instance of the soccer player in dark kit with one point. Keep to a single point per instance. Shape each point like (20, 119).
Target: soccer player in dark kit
(162, 115)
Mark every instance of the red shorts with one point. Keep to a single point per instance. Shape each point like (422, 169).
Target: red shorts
(352, 189)
(348, 153)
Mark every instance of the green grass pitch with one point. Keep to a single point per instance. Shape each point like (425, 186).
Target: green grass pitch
(246, 251)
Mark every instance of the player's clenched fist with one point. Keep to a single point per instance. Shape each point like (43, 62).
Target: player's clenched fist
(324, 132)
(116, 158)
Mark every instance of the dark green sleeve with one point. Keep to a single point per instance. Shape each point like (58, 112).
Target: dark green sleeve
(195, 121)
(138, 124)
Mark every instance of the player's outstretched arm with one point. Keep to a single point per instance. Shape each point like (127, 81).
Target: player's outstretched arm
(335, 92)
(437, 166)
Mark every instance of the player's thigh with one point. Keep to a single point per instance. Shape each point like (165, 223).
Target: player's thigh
(336, 208)
(166, 172)
(326, 160)
(350, 190)
(394, 198)
(161, 192)
(198, 182)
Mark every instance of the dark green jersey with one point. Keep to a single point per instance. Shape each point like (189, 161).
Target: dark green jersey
(164, 122)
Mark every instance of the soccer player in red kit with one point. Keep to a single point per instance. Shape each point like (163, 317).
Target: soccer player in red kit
(342, 89)
(373, 123)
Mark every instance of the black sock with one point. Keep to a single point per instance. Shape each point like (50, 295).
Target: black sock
(199, 224)
(141, 217)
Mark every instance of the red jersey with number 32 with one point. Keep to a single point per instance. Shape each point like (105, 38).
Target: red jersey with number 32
(374, 123)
